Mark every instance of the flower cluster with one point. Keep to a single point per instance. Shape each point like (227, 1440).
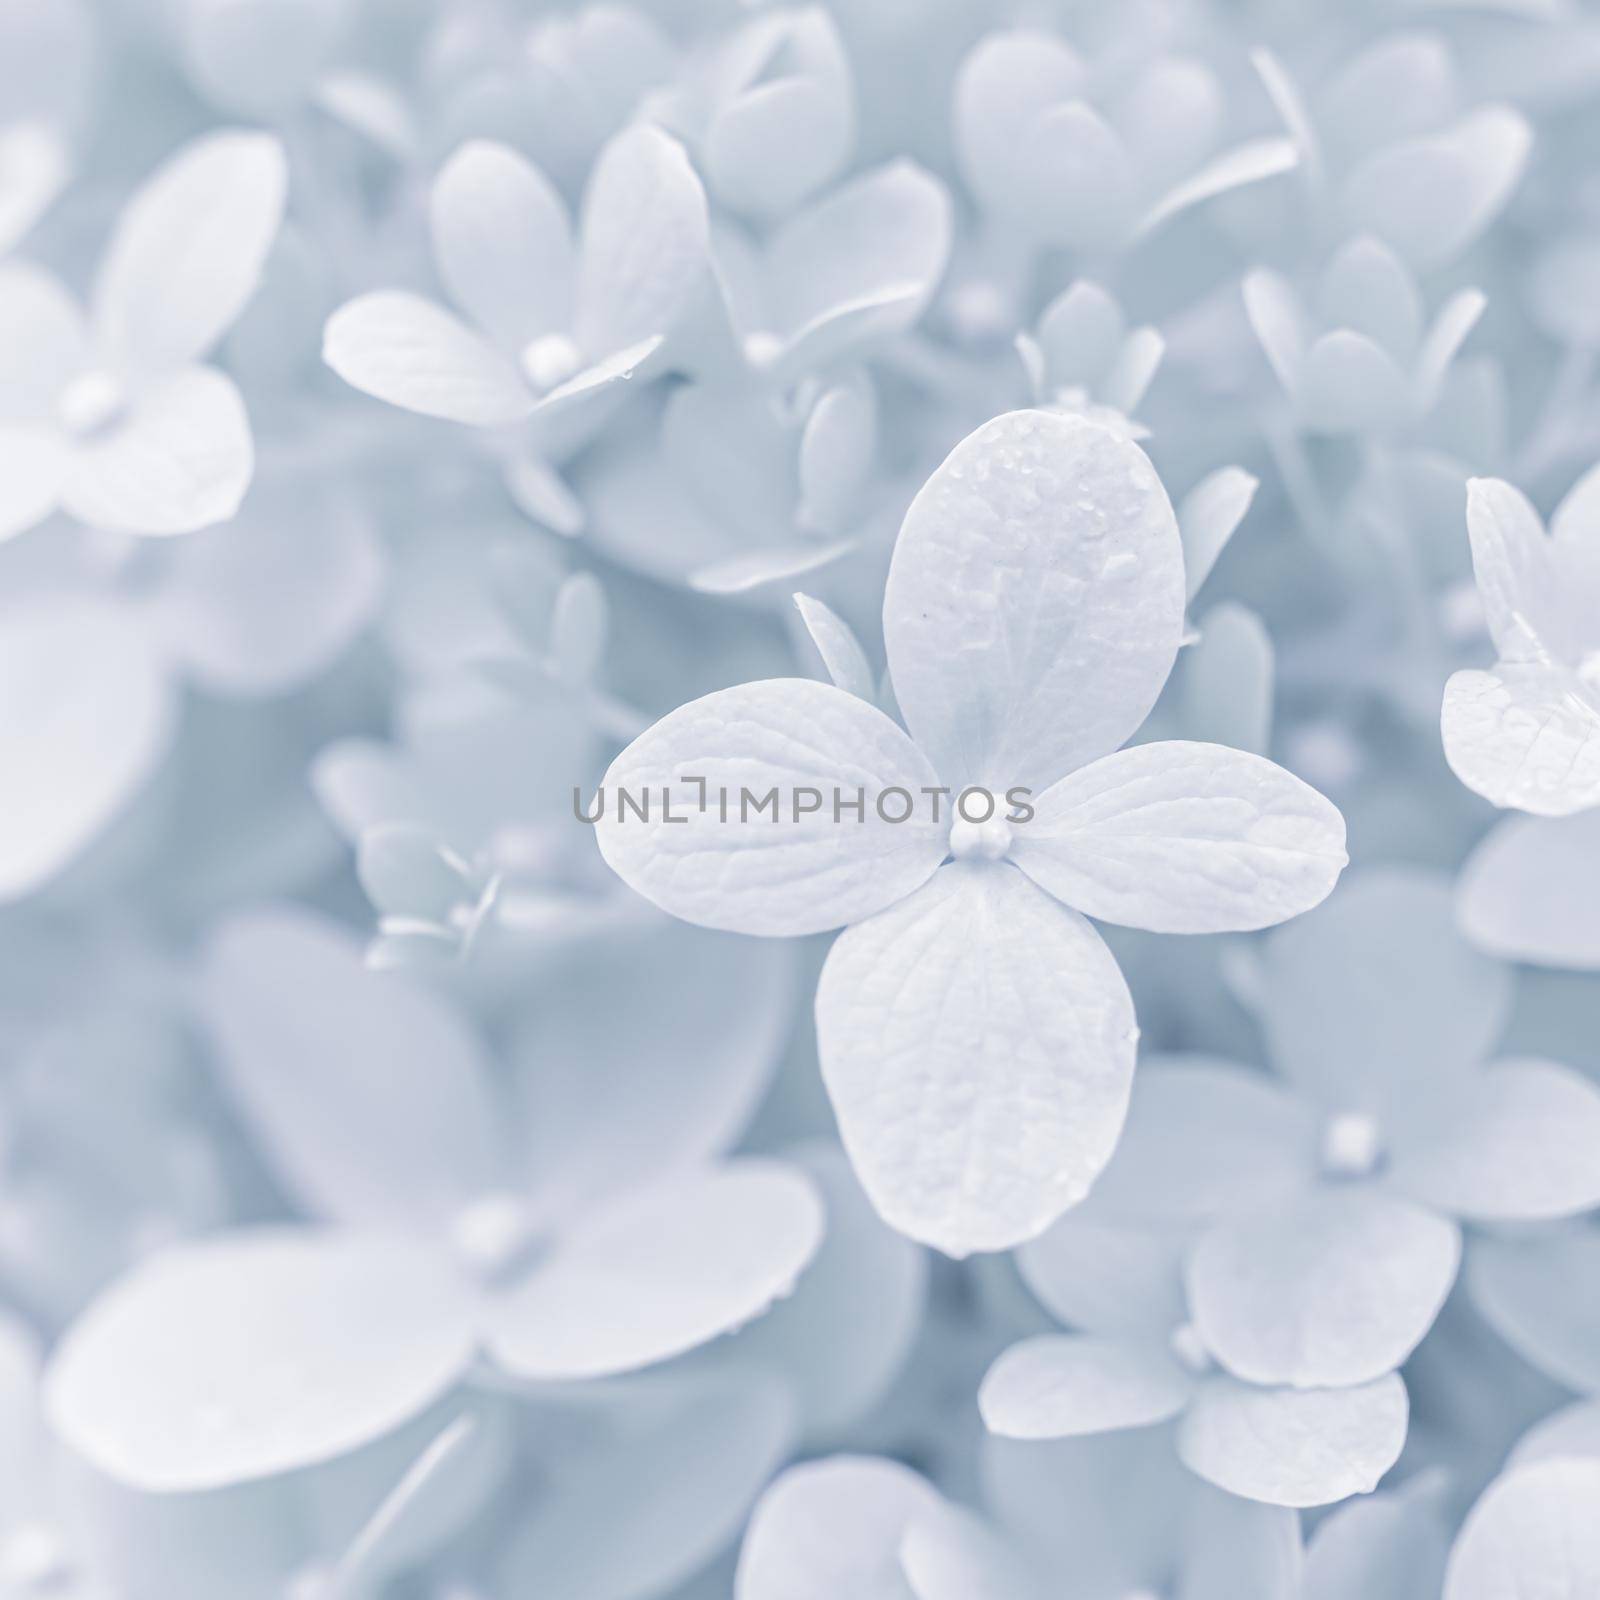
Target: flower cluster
(751, 783)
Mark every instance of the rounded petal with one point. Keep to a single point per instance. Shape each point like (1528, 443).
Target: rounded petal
(33, 468)
(34, 169)
(254, 1353)
(1519, 1142)
(1349, 384)
(1227, 680)
(1542, 1296)
(1524, 736)
(952, 1554)
(1523, 600)
(1531, 891)
(188, 251)
(413, 353)
(1294, 1447)
(1368, 288)
(1573, 1430)
(1337, 1288)
(1055, 1386)
(658, 1271)
(1179, 837)
(180, 460)
(977, 1042)
(86, 715)
(1035, 601)
(1209, 516)
(43, 343)
(645, 242)
(1376, 997)
(1108, 1278)
(370, 1096)
(1533, 1532)
(794, 866)
(833, 1527)
(1386, 1547)
(1205, 1140)
(503, 243)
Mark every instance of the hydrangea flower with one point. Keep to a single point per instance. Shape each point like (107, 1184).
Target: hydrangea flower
(1324, 1209)
(1526, 733)
(450, 1236)
(1141, 1357)
(976, 1037)
(114, 418)
(554, 320)
(1532, 1532)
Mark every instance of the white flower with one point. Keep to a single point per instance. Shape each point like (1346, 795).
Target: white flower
(559, 1254)
(1532, 1532)
(1324, 1210)
(554, 320)
(1526, 733)
(976, 1036)
(114, 419)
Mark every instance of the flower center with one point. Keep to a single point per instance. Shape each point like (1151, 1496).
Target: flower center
(980, 841)
(492, 1235)
(1189, 1349)
(761, 349)
(1351, 1145)
(91, 403)
(549, 360)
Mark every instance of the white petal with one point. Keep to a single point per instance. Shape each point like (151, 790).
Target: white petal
(43, 343)
(1108, 1278)
(839, 648)
(1035, 601)
(86, 715)
(1457, 318)
(1368, 288)
(269, 602)
(503, 243)
(1431, 197)
(22, 1443)
(1235, 1547)
(1227, 680)
(977, 1043)
(1275, 315)
(413, 353)
(741, 574)
(1184, 838)
(1386, 1547)
(1294, 1447)
(370, 1095)
(1208, 517)
(773, 873)
(644, 248)
(33, 467)
(1542, 1296)
(1350, 384)
(659, 1271)
(859, 265)
(1520, 1141)
(1531, 891)
(1055, 1386)
(833, 1527)
(838, 447)
(1245, 164)
(255, 1353)
(1532, 1534)
(188, 251)
(843, 1335)
(1573, 1430)
(1205, 1140)
(33, 170)
(1336, 1288)
(1079, 335)
(1511, 559)
(951, 1554)
(1377, 995)
(678, 1469)
(180, 460)
(1524, 736)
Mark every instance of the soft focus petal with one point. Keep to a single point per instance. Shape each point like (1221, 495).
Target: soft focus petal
(1294, 1447)
(1511, 559)
(1349, 384)
(1542, 1296)
(1524, 736)
(659, 1271)
(951, 1554)
(33, 171)
(1055, 1386)
(840, 649)
(254, 1353)
(1035, 601)
(1521, 1141)
(503, 243)
(33, 467)
(179, 460)
(1377, 996)
(43, 343)
(1386, 1547)
(1208, 517)
(370, 1096)
(1179, 837)
(1533, 1533)
(1227, 680)
(1108, 1278)
(1531, 891)
(188, 251)
(977, 1043)
(1335, 1288)
(644, 242)
(784, 870)
(86, 715)
(1235, 1547)
(413, 353)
